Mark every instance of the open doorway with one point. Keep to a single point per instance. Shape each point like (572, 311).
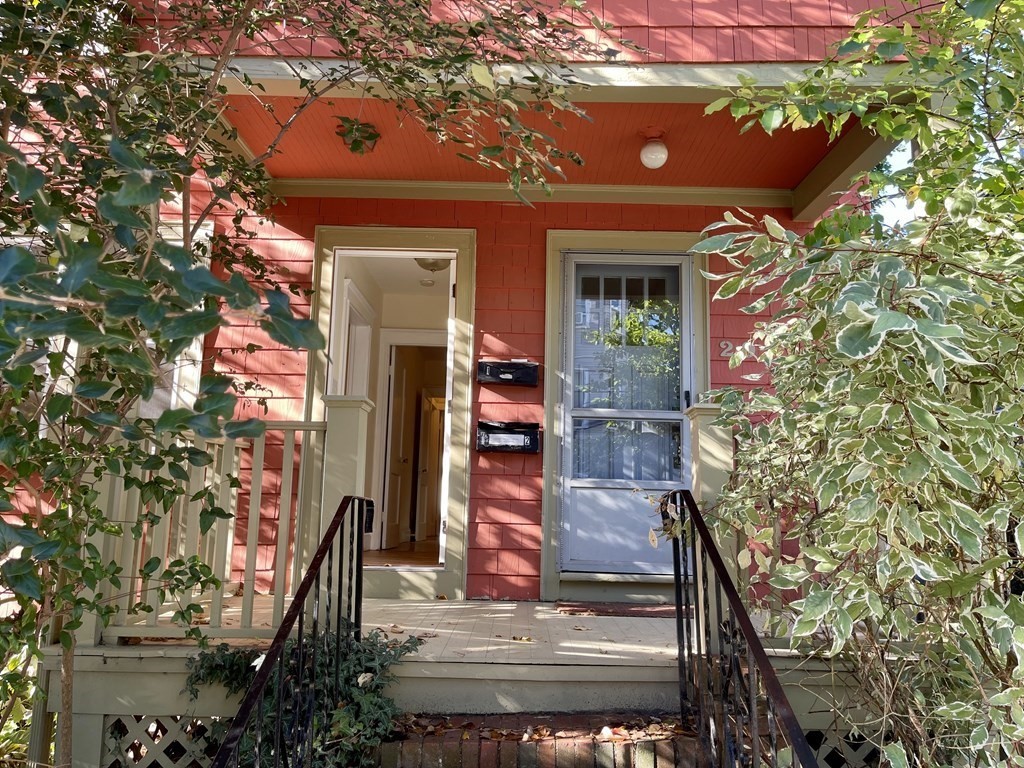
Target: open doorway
(409, 531)
(393, 337)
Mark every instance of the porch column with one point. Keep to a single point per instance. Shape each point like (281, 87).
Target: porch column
(711, 461)
(345, 447)
(711, 452)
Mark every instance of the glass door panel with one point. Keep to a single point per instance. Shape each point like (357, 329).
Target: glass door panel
(624, 434)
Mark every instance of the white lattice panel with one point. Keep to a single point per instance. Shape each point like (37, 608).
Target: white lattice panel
(167, 741)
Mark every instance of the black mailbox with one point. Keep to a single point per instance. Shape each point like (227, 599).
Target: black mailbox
(508, 436)
(520, 373)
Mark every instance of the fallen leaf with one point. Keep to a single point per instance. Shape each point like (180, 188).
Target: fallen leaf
(528, 733)
(606, 733)
(522, 639)
(395, 629)
(426, 635)
(442, 597)
(581, 628)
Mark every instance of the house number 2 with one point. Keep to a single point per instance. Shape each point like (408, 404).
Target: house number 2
(727, 348)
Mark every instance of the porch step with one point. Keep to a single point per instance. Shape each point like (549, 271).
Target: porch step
(469, 741)
(450, 687)
(495, 657)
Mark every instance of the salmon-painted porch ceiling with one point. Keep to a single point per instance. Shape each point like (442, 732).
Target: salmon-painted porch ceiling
(704, 151)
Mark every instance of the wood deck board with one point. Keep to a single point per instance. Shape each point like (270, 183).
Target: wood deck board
(481, 632)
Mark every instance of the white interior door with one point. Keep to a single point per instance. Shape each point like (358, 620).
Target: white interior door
(628, 365)
(398, 488)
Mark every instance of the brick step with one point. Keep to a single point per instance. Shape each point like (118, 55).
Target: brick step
(544, 741)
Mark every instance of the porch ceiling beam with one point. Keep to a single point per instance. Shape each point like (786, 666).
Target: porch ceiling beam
(620, 83)
(561, 193)
(857, 151)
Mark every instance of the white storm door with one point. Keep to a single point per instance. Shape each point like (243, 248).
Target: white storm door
(628, 373)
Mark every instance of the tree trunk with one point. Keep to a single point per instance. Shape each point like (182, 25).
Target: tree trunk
(67, 683)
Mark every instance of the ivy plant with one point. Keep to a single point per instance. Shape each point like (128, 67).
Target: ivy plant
(351, 677)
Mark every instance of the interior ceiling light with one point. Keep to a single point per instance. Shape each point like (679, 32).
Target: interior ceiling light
(433, 265)
(654, 153)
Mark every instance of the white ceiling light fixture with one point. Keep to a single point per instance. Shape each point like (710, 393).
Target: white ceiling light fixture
(654, 152)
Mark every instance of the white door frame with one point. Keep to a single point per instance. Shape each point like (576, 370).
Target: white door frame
(687, 374)
(353, 310)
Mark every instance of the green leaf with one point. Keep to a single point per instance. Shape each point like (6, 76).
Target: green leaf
(246, 428)
(772, 117)
(24, 179)
(124, 157)
(139, 189)
(20, 576)
(718, 104)
(981, 9)
(915, 468)
(890, 49)
(797, 280)
(953, 352)
(18, 377)
(951, 468)
(202, 280)
(58, 406)
(924, 418)
(895, 755)
(118, 213)
(857, 341)
(729, 288)
(296, 333)
(79, 267)
(932, 330)
(209, 515)
(892, 321)
(482, 75)
(16, 263)
(93, 389)
(715, 244)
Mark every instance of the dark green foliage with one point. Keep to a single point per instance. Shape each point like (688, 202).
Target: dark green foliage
(352, 714)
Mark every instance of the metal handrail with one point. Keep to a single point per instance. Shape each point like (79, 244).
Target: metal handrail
(341, 615)
(727, 688)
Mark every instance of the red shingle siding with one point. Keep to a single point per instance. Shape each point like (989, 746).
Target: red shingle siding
(505, 490)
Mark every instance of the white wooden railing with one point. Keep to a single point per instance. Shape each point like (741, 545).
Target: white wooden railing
(279, 536)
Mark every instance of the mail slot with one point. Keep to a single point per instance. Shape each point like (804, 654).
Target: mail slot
(508, 436)
(518, 372)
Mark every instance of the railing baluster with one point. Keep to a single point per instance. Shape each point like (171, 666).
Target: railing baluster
(223, 531)
(726, 701)
(295, 654)
(284, 525)
(753, 686)
(253, 530)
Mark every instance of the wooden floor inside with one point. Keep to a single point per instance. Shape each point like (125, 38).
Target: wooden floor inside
(412, 554)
